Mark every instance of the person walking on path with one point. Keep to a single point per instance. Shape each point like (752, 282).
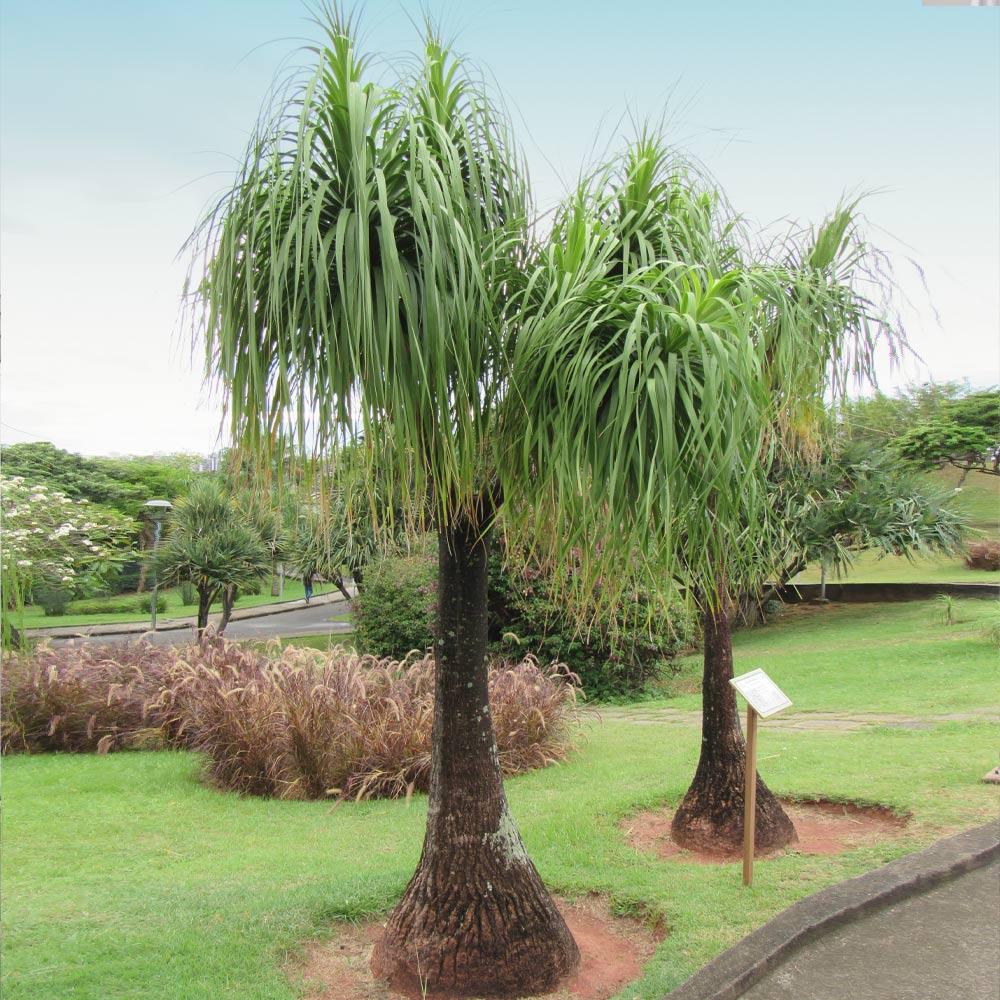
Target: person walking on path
(307, 582)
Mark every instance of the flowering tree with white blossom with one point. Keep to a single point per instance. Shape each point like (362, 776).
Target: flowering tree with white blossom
(49, 539)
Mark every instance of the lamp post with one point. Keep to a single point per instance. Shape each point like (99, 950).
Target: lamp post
(156, 509)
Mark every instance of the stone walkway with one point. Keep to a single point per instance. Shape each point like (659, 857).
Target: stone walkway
(809, 721)
(939, 944)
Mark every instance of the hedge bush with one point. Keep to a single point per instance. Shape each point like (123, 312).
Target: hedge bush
(312, 724)
(82, 697)
(289, 723)
(53, 600)
(145, 603)
(394, 614)
(620, 653)
(108, 607)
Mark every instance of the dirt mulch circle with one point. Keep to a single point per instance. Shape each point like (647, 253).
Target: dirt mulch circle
(823, 827)
(613, 951)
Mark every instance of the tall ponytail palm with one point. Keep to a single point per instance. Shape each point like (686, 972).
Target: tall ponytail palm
(373, 270)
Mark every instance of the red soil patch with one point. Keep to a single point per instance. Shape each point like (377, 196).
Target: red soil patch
(612, 949)
(823, 828)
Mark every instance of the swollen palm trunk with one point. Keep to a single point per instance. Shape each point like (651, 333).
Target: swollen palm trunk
(711, 816)
(475, 919)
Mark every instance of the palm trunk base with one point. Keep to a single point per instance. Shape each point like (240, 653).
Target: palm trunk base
(475, 920)
(710, 818)
(498, 936)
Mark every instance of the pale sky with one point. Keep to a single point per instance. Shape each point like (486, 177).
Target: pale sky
(121, 119)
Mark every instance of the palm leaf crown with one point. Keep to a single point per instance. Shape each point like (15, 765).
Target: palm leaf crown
(375, 274)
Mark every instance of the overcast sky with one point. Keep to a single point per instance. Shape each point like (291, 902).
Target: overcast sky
(121, 118)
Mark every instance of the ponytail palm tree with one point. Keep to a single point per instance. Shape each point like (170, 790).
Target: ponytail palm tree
(374, 271)
(794, 326)
(817, 326)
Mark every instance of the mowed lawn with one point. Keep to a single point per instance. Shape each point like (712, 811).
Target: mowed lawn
(979, 501)
(869, 658)
(126, 877)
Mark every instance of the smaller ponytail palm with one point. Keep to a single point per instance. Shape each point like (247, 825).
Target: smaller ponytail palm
(209, 544)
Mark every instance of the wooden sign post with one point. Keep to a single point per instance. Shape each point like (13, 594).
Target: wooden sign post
(764, 699)
(750, 796)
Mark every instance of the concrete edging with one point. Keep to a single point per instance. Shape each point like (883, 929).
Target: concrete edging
(733, 972)
(871, 593)
(176, 624)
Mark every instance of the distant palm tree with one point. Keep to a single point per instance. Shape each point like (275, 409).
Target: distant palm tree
(374, 271)
(210, 543)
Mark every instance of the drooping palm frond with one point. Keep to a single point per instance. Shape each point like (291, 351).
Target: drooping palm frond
(826, 293)
(637, 382)
(347, 287)
(374, 276)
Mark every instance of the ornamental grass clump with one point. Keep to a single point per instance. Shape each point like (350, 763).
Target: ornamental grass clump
(285, 723)
(983, 555)
(82, 697)
(307, 724)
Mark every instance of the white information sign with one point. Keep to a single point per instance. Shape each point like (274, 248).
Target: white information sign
(765, 697)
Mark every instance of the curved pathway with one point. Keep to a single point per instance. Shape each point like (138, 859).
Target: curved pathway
(942, 943)
(325, 618)
(810, 721)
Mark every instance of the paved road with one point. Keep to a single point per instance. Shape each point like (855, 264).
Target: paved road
(941, 944)
(316, 620)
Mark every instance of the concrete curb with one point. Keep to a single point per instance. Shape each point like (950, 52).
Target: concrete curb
(870, 593)
(175, 624)
(736, 970)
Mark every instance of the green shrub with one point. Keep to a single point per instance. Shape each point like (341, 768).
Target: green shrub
(105, 607)
(772, 608)
(395, 612)
(53, 600)
(617, 656)
(188, 594)
(126, 580)
(145, 604)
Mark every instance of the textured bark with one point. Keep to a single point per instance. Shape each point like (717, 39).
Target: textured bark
(229, 595)
(475, 919)
(710, 817)
(205, 598)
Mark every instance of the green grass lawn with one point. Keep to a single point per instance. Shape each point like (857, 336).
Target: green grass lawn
(323, 642)
(126, 877)
(876, 658)
(34, 617)
(979, 500)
